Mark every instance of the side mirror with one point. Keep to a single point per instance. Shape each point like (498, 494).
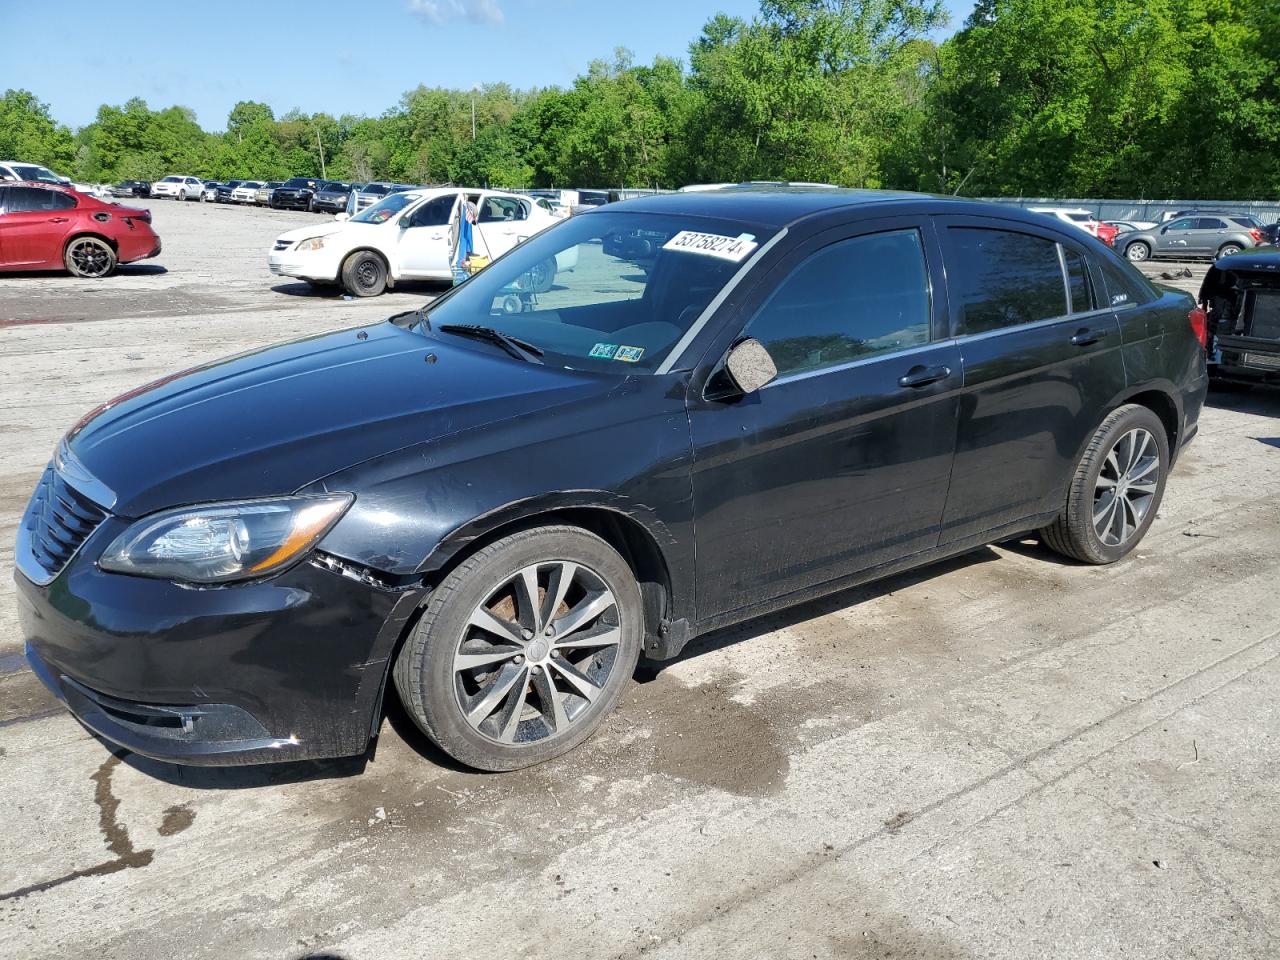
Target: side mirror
(748, 366)
(342, 217)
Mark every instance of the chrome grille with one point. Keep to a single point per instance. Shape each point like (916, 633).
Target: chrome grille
(57, 521)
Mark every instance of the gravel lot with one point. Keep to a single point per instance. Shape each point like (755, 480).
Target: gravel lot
(1001, 756)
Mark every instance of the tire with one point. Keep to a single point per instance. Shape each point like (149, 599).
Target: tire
(364, 274)
(525, 707)
(1229, 250)
(1138, 251)
(1129, 446)
(543, 275)
(89, 257)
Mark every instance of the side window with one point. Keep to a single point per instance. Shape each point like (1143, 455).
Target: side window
(1079, 281)
(855, 298)
(1184, 224)
(1126, 286)
(1210, 223)
(435, 212)
(1004, 279)
(501, 208)
(23, 199)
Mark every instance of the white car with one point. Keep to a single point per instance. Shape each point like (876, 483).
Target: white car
(247, 192)
(178, 188)
(412, 235)
(30, 172)
(1076, 216)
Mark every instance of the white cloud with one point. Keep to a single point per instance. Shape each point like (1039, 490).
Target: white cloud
(485, 12)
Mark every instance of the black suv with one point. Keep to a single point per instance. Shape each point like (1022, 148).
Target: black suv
(132, 188)
(1242, 296)
(295, 194)
(494, 507)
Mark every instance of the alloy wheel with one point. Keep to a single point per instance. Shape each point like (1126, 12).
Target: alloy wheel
(1126, 487)
(90, 257)
(536, 653)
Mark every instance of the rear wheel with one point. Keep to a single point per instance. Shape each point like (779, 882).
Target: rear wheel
(1229, 250)
(543, 275)
(90, 257)
(1116, 489)
(1138, 251)
(524, 649)
(364, 274)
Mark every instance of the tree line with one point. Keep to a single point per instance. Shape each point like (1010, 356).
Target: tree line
(1141, 98)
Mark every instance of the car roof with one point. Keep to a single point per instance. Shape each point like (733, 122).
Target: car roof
(776, 206)
(39, 183)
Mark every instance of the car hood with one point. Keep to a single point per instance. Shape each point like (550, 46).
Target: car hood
(269, 422)
(322, 230)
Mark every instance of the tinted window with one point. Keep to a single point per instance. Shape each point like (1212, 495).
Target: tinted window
(1079, 282)
(434, 213)
(1185, 224)
(1003, 279)
(853, 299)
(1125, 285)
(31, 198)
(1210, 223)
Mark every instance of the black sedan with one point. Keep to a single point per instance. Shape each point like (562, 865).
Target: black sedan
(295, 194)
(224, 190)
(331, 197)
(492, 509)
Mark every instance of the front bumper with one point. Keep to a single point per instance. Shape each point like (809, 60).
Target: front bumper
(291, 202)
(287, 263)
(290, 668)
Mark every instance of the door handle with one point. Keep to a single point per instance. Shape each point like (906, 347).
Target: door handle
(57, 219)
(918, 377)
(1084, 336)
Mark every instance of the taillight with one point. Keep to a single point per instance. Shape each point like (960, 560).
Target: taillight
(145, 216)
(1256, 234)
(1199, 325)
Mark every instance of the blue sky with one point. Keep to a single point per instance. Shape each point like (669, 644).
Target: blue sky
(327, 55)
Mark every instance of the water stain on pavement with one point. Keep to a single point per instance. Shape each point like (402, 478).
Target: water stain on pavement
(115, 833)
(176, 819)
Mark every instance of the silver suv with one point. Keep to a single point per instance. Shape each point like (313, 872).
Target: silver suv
(1198, 235)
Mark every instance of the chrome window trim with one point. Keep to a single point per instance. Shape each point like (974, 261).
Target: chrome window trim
(859, 362)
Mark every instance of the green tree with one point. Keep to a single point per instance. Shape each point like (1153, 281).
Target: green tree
(28, 132)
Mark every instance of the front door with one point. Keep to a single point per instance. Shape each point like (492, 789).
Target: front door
(1042, 361)
(842, 462)
(425, 240)
(1176, 237)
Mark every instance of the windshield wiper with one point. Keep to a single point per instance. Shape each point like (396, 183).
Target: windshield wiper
(520, 349)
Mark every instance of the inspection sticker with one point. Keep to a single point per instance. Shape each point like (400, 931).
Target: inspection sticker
(629, 354)
(713, 244)
(604, 351)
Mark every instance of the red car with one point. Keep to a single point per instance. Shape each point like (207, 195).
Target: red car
(47, 226)
(1107, 234)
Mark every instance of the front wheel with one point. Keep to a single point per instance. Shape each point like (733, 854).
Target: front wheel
(543, 275)
(364, 274)
(523, 649)
(1138, 251)
(90, 257)
(1116, 489)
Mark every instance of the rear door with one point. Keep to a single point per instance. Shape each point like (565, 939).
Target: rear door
(841, 463)
(35, 225)
(503, 222)
(1042, 360)
(1209, 234)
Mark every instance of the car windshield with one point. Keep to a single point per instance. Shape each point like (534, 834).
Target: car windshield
(251, 185)
(376, 188)
(334, 188)
(384, 209)
(35, 173)
(171, 180)
(610, 291)
(297, 182)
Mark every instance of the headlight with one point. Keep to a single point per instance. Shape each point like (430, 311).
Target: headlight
(311, 243)
(222, 542)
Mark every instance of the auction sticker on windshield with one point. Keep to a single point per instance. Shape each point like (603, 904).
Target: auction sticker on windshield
(712, 244)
